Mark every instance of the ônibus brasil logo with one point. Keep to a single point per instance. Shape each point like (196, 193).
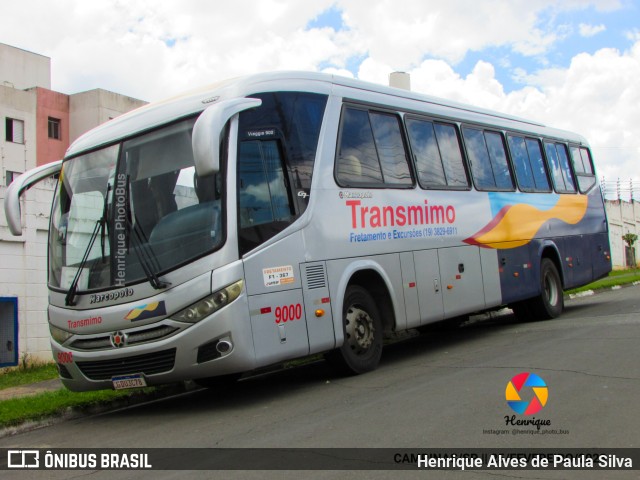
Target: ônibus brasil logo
(520, 387)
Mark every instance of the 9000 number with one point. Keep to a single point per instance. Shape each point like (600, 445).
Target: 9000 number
(288, 313)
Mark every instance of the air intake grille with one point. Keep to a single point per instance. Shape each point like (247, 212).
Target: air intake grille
(133, 338)
(315, 276)
(149, 363)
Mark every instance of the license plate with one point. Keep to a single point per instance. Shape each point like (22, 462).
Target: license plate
(128, 381)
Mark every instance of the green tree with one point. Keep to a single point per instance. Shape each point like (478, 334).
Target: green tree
(630, 239)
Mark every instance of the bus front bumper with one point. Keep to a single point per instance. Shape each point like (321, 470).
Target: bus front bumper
(217, 345)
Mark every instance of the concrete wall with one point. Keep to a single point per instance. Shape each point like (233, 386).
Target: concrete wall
(23, 270)
(21, 69)
(25, 95)
(55, 105)
(95, 107)
(19, 105)
(624, 217)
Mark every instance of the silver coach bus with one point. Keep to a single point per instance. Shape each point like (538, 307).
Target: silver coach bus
(281, 215)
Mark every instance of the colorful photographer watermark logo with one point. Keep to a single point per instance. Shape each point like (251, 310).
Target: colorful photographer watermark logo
(527, 393)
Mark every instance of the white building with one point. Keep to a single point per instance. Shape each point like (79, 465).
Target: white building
(36, 127)
(624, 217)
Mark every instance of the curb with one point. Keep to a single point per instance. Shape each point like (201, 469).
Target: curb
(72, 413)
(589, 293)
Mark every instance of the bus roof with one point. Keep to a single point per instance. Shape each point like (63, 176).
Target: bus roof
(158, 113)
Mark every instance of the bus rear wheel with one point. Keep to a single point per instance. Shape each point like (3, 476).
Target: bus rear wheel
(363, 335)
(550, 303)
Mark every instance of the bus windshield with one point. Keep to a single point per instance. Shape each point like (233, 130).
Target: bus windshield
(132, 211)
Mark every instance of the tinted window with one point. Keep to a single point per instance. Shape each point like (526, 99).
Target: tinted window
(559, 166)
(263, 191)
(488, 160)
(437, 154)
(357, 158)
(296, 118)
(534, 149)
(583, 168)
(386, 132)
(451, 153)
(529, 164)
(264, 204)
(371, 150)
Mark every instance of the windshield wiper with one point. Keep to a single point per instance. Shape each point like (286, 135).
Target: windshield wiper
(146, 256)
(101, 225)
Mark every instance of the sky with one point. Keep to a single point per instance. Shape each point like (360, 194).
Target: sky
(572, 64)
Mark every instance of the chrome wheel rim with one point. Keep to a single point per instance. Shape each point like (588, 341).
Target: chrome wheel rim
(359, 329)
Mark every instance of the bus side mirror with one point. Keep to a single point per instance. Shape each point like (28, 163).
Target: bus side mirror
(207, 130)
(21, 185)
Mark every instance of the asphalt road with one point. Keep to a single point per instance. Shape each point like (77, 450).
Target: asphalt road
(445, 388)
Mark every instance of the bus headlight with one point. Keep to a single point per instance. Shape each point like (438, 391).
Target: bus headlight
(208, 305)
(59, 335)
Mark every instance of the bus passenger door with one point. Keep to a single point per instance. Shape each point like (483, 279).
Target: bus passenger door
(272, 276)
(429, 286)
(462, 284)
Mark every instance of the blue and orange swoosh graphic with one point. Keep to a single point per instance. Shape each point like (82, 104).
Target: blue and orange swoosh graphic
(149, 310)
(516, 224)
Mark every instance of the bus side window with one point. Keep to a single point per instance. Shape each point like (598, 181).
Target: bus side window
(371, 150)
(437, 154)
(583, 167)
(488, 158)
(559, 165)
(529, 164)
(357, 158)
(264, 205)
(390, 147)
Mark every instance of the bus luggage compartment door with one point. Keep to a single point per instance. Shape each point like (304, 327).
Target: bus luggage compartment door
(429, 286)
(462, 283)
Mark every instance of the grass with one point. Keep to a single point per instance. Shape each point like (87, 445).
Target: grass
(15, 411)
(616, 277)
(26, 375)
(18, 410)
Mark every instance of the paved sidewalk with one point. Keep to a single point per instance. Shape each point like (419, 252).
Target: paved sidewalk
(30, 389)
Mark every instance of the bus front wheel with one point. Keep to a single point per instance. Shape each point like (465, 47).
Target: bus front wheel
(363, 335)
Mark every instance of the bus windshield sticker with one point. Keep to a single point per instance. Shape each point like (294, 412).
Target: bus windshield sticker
(263, 133)
(276, 276)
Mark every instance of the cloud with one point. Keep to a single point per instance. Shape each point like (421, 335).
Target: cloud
(596, 96)
(152, 50)
(590, 30)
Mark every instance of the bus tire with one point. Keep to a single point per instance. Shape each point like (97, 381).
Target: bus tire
(363, 335)
(550, 303)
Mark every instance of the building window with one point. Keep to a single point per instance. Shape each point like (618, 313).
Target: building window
(8, 331)
(14, 130)
(54, 128)
(11, 176)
